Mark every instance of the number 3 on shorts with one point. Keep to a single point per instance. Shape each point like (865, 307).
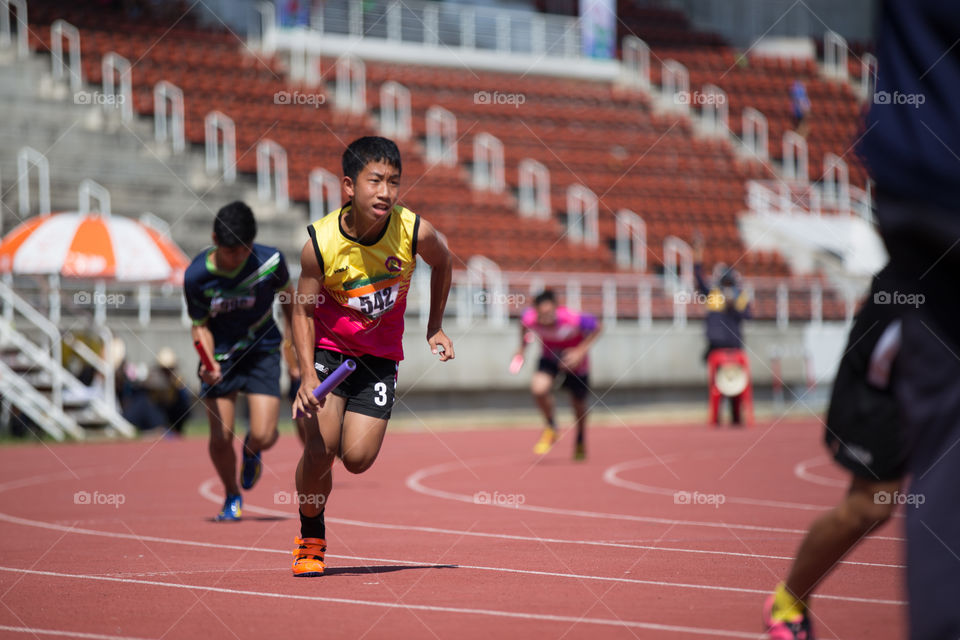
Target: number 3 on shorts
(381, 390)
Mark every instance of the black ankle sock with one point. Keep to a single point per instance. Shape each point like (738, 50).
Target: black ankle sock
(580, 436)
(552, 423)
(312, 527)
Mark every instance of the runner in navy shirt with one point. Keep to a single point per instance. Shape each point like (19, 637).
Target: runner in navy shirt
(230, 290)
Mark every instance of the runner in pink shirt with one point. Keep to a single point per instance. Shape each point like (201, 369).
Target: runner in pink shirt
(566, 336)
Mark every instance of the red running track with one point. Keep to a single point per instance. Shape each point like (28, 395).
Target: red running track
(454, 534)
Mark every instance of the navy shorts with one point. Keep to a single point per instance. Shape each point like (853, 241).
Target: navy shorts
(578, 385)
(864, 423)
(370, 390)
(252, 372)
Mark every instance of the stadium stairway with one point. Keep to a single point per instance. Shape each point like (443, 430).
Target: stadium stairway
(34, 383)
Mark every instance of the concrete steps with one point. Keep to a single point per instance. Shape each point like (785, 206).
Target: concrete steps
(80, 141)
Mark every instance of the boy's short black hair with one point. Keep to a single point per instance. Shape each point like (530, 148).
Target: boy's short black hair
(235, 225)
(546, 295)
(363, 151)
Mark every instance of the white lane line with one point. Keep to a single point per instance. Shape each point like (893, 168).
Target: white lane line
(801, 470)
(612, 476)
(394, 561)
(207, 491)
(414, 482)
(68, 634)
(701, 631)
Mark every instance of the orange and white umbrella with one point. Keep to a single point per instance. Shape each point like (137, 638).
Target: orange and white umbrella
(92, 246)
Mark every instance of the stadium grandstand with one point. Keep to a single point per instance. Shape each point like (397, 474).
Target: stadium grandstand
(542, 165)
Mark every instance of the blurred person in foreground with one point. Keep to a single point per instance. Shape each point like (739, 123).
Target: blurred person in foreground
(864, 433)
(911, 145)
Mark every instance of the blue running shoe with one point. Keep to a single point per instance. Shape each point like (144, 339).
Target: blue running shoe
(251, 467)
(232, 509)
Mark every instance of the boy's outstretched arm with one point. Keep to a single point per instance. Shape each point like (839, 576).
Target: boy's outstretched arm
(433, 249)
(304, 335)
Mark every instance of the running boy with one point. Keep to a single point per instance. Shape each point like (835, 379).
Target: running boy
(230, 290)
(863, 432)
(567, 337)
(356, 271)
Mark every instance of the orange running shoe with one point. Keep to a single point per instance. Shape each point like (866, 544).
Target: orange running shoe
(308, 556)
(545, 443)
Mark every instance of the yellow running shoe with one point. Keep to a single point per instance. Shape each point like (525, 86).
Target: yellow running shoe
(545, 443)
(580, 452)
(308, 556)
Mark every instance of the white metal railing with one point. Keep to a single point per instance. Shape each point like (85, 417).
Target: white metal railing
(639, 297)
(13, 303)
(395, 118)
(220, 154)
(636, 63)
(351, 85)
(754, 132)
(483, 287)
(89, 188)
(48, 359)
(15, 389)
(97, 361)
(112, 65)
(714, 109)
(27, 157)
(452, 26)
(6, 35)
(260, 34)
(59, 30)
(488, 163)
(271, 155)
(678, 275)
(441, 136)
(583, 214)
(305, 65)
(534, 189)
(779, 197)
(166, 93)
(868, 75)
(835, 55)
(324, 193)
(631, 244)
(795, 166)
(675, 85)
(836, 181)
